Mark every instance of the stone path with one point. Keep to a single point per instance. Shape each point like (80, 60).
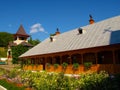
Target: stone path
(8, 67)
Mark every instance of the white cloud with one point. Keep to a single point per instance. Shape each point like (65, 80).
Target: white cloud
(33, 30)
(37, 28)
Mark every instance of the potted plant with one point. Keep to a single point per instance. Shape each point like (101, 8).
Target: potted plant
(37, 65)
(48, 65)
(64, 65)
(32, 65)
(56, 65)
(75, 66)
(87, 65)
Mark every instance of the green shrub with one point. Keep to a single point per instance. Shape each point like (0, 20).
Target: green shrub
(64, 65)
(75, 66)
(3, 52)
(48, 65)
(87, 65)
(13, 73)
(56, 65)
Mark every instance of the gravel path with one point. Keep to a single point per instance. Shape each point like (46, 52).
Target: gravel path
(8, 67)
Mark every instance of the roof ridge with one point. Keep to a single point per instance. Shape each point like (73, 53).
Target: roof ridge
(91, 24)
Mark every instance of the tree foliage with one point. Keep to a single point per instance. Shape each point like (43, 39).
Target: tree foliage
(33, 42)
(5, 38)
(17, 51)
(3, 52)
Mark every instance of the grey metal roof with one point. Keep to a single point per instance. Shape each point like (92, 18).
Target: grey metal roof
(102, 33)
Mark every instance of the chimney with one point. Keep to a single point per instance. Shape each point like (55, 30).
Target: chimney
(91, 21)
(80, 30)
(57, 32)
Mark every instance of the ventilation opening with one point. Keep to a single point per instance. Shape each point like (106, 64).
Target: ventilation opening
(80, 30)
(51, 38)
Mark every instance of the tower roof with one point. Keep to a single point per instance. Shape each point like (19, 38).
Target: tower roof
(21, 31)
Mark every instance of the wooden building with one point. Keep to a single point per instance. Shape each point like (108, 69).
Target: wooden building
(97, 43)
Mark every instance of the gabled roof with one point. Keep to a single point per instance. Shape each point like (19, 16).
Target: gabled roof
(106, 32)
(21, 31)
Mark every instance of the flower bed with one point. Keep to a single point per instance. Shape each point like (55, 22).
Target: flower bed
(9, 85)
(60, 81)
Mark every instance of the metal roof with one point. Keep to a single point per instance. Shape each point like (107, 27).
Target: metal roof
(102, 33)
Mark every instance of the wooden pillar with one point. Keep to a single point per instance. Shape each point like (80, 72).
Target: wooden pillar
(113, 53)
(35, 60)
(70, 58)
(45, 60)
(60, 60)
(82, 58)
(96, 57)
(53, 60)
(44, 63)
(30, 61)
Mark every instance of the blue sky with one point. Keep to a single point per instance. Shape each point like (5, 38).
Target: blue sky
(40, 18)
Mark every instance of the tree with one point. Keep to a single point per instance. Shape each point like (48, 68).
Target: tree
(5, 38)
(17, 51)
(33, 42)
(3, 52)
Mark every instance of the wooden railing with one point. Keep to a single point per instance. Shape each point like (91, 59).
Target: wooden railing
(110, 68)
(33, 67)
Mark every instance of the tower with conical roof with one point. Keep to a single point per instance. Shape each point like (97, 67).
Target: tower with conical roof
(20, 36)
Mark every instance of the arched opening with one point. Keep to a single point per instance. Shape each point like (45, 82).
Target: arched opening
(24, 61)
(57, 59)
(76, 58)
(105, 57)
(49, 60)
(28, 61)
(42, 60)
(39, 61)
(89, 57)
(66, 58)
(117, 56)
(32, 60)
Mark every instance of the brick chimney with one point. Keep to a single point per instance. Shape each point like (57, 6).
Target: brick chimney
(57, 32)
(91, 21)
